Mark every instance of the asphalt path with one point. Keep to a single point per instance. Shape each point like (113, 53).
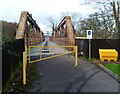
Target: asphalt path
(59, 75)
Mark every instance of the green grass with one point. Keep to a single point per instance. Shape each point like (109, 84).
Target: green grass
(89, 60)
(115, 68)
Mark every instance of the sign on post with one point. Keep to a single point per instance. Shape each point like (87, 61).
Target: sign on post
(89, 34)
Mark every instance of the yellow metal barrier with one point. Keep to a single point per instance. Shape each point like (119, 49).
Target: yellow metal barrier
(52, 51)
(108, 54)
(50, 57)
(27, 51)
(74, 47)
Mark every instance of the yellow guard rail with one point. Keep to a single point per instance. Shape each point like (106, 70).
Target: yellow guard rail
(27, 51)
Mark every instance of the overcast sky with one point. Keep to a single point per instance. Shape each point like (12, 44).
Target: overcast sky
(10, 10)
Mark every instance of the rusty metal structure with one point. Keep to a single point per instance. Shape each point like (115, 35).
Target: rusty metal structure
(29, 30)
(64, 32)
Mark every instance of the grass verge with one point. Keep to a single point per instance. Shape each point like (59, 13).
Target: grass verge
(115, 68)
(92, 60)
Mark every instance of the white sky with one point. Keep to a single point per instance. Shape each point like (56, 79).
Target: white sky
(10, 10)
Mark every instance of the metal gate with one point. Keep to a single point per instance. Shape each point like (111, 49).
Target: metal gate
(45, 52)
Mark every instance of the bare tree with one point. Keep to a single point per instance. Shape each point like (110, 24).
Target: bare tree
(116, 12)
(52, 22)
(106, 22)
(75, 17)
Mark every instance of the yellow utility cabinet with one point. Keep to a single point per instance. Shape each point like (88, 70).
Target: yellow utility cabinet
(108, 54)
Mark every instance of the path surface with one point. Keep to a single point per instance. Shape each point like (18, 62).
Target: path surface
(59, 75)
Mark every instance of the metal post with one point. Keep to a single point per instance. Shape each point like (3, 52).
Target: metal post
(52, 51)
(89, 48)
(76, 54)
(40, 52)
(24, 68)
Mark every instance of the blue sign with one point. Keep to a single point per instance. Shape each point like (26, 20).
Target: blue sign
(89, 34)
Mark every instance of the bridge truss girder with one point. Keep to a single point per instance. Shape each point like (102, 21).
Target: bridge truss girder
(29, 30)
(65, 31)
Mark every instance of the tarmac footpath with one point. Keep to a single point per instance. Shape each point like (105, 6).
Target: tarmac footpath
(59, 75)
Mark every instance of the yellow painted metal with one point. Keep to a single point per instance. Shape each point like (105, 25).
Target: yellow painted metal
(52, 51)
(50, 57)
(40, 53)
(28, 50)
(74, 47)
(76, 55)
(24, 67)
(52, 46)
(108, 54)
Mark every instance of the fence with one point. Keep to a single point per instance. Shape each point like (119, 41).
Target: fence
(11, 59)
(97, 44)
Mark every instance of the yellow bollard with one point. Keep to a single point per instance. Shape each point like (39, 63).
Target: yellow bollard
(40, 52)
(52, 51)
(76, 56)
(24, 68)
